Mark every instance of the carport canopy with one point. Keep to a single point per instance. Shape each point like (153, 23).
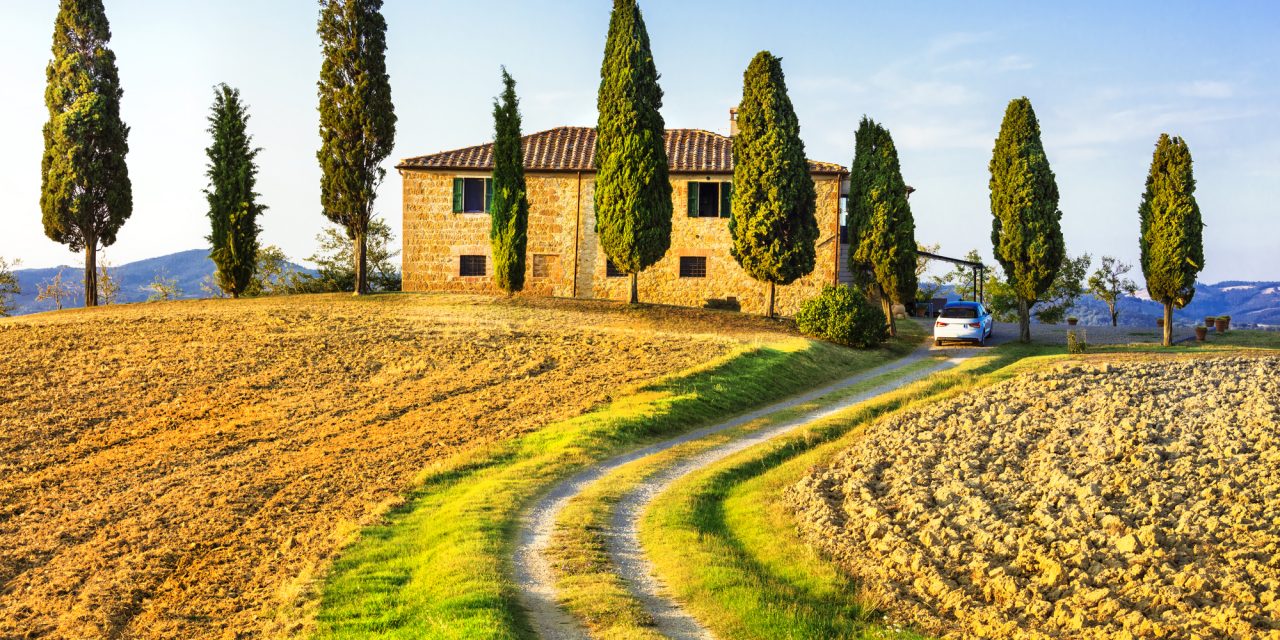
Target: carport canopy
(979, 271)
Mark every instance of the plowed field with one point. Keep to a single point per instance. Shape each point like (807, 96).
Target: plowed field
(1130, 500)
(186, 469)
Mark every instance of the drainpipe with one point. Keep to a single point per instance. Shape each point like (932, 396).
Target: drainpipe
(577, 223)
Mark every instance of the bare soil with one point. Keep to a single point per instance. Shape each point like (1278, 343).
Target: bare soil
(1101, 500)
(187, 469)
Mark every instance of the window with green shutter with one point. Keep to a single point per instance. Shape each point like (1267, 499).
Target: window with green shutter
(472, 195)
(709, 199)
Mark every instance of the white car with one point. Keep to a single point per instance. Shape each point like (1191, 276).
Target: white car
(968, 321)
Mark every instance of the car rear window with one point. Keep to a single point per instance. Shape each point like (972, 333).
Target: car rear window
(960, 312)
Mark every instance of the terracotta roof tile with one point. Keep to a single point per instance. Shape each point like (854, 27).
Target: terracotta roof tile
(574, 149)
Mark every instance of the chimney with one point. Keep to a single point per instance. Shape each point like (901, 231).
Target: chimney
(733, 121)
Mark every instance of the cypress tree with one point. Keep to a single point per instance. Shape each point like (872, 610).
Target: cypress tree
(881, 228)
(233, 204)
(633, 191)
(773, 225)
(1026, 230)
(1171, 241)
(357, 118)
(86, 195)
(509, 221)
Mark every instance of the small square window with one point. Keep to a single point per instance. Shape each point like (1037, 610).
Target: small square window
(544, 264)
(710, 199)
(472, 195)
(470, 266)
(612, 271)
(693, 267)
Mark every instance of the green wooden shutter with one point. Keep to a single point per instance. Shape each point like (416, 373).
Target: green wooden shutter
(488, 195)
(726, 199)
(457, 195)
(694, 188)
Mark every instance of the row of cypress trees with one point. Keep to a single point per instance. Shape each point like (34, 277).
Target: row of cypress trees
(772, 220)
(1027, 231)
(86, 194)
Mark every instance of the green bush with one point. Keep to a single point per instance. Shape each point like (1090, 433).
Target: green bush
(844, 316)
(1076, 344)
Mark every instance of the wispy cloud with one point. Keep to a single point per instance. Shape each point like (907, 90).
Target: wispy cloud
(1213, 89)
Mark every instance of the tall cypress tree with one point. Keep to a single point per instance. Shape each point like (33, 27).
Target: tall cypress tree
(1026, 230)
(1171, 240)
(773, 225)
(357, 118)
(86, 195)
(233, 204)
(633, 191)
(881, 228)
(509, 220)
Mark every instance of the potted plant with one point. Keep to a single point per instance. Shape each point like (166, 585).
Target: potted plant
(1072, 320)
(1222, 324)
(1201, 333)
(1209, 321)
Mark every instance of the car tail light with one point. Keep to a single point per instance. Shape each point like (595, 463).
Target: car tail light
(974, 325)
(940, 324)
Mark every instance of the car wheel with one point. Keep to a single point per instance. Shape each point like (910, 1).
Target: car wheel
(982, 342)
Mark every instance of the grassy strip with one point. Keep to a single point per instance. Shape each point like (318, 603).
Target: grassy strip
(439, 566)
(588, 584)
(728, 549)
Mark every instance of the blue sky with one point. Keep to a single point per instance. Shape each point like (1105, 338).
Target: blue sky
(1105, 80)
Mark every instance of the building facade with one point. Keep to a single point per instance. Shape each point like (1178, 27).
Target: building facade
(446, 225)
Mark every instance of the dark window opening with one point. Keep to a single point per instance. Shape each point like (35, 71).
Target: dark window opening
(611, 270)
(472, 195)
(710, 199)
(693, 267)
(471, 265)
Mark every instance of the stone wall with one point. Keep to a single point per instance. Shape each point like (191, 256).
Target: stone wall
(434, 238)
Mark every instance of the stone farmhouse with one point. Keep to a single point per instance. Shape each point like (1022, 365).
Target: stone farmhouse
(446, 225)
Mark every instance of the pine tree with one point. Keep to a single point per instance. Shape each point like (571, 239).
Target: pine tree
(233, 204)
(1171, 240)
(86, 195)
(881, 228)
(357, 118)
(773, 225)
(1026, 231)
(633, 192)
(509, 220)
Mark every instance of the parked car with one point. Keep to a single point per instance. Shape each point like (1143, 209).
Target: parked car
(969, 321)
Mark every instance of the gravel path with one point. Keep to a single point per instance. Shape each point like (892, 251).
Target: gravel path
(532, 567)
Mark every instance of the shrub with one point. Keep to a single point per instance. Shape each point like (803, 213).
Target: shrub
(843, 316)
(1076, 344)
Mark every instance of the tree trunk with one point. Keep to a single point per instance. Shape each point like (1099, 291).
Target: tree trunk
(772, 288)
(1024, 321)
(1114, 315)
(361, 264)
(886, 305)
(635, 288)
(1168, 324)
(91, 273)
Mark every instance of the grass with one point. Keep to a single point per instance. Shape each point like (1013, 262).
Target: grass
(439, 566)
(588, 586)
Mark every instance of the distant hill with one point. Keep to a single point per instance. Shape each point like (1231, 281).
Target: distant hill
(1248, 303)
(189, 268)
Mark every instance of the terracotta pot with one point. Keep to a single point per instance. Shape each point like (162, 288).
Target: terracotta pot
(1201, 333)
(1221, 325)
(1210, 321)
(1072, 321)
